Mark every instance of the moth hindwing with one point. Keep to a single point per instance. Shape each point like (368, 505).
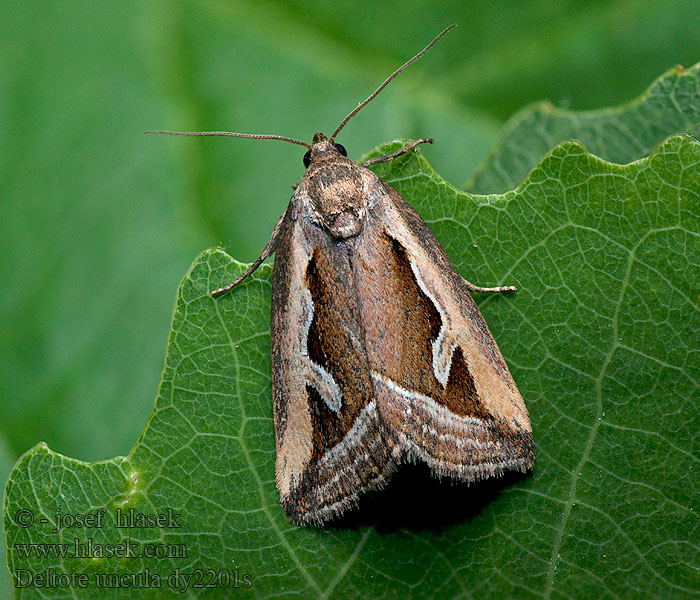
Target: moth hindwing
(379, 353)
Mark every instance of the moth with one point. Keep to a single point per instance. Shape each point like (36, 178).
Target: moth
(379, 353)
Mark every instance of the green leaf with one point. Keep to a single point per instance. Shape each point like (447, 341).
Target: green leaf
(620, 135)
(600, 338)
(6, 462)
(100, 221)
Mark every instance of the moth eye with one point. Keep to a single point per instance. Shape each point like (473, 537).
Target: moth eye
(307, 158)
(340, 148)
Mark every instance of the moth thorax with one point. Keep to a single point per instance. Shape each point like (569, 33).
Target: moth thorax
(336, 194)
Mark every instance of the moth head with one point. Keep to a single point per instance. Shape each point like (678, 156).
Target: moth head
(333, 185)
(322, 147)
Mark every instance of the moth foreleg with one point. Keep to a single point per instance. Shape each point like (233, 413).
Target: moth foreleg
(399, 152)
(269, 249)
(489, 290)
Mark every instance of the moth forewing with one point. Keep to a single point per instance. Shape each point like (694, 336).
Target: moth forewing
(331, 445)
(459, 409)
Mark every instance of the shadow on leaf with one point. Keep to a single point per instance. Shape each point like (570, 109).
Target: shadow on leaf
(415, 500)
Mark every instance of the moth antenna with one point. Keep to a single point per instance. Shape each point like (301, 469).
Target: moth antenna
(253, 136)
(387, 80)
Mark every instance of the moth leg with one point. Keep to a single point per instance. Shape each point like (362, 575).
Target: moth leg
(269, 249)
(489, 290)
(399, 152)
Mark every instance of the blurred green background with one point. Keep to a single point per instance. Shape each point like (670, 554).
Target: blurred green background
(99, 223)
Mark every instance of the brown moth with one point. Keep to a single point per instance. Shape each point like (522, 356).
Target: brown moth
(379, 353)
